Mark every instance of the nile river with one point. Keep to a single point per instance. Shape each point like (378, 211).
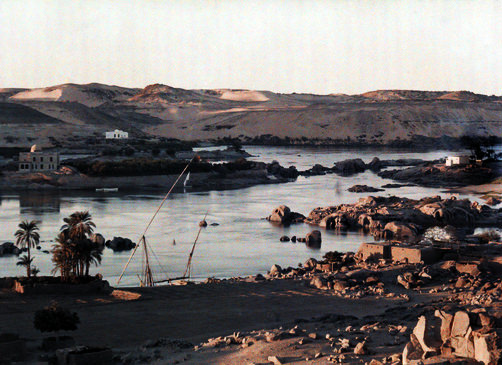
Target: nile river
(242, 244)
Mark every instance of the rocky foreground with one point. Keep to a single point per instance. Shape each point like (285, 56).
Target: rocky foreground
(433, 297)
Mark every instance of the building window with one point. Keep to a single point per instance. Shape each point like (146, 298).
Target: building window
(34, 159)
(50, 159)
(41, 159)
(41, 166)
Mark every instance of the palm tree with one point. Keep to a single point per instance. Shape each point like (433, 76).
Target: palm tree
(26, 262)
(89, 253)
(27, 236)
(78, 225)
(62, 256)
(73, 252)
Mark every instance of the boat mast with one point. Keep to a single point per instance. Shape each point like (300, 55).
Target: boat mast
(142, 238)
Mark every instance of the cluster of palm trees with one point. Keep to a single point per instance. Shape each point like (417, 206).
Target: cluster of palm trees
(72, 254)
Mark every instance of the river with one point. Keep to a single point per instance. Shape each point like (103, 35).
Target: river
(242, 243)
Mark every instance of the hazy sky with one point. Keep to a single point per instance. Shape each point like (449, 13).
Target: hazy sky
(304, 46)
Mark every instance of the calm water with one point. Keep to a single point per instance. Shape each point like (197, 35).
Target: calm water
(242, 244)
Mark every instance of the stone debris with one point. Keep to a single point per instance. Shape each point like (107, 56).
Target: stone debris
(461, 335)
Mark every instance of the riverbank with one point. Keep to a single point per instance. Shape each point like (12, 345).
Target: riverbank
(348, 309)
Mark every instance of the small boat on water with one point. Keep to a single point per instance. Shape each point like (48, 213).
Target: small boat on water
(186, 183)
(106, 190)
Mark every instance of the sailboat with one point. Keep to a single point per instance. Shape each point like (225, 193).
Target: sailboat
(146, 278)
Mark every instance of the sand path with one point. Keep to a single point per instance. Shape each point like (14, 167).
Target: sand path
(193, 312)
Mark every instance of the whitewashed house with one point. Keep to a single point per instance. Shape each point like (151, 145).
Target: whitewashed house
(117, 134)
(457, 160)
(38, 160)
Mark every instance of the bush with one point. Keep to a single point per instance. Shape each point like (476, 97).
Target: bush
(54, 318)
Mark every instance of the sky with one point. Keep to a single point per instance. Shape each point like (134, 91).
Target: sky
(322, 47)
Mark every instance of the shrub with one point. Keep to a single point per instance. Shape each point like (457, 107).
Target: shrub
(54, 318)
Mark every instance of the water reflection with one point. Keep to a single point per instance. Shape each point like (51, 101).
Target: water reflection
(35, 203)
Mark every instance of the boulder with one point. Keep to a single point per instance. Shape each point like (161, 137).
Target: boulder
(375, 164)
(275, 270)
(350, 167)
(486, 349)
(284, 239)
(427, 336)
(412, 351)
(313, 238)
(120, 244)
(319, 282)
(446, 323)
(402, 231)
(364, 189)
(461, 324)
(203, 223)
(283, 215)
(98, 239)
(310, 264)
(360, 348)
(9, 248)
(280, 214)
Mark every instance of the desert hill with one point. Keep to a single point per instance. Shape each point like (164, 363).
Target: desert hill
(379, 117)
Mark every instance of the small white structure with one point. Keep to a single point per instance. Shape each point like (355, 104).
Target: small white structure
(117, 134)
(38, 160)
(457, 160)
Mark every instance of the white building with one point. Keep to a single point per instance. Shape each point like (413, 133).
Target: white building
(37, 160)
(117, 134)
(457, 160)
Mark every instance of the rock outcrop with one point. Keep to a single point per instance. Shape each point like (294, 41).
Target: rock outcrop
(9, 248)
(283, 215)
(120, 244)
(403, 218)
(467, 335)
(364, 189)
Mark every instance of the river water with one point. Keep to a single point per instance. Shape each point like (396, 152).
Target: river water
(242, 244)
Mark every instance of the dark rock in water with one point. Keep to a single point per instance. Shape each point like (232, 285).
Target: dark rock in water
(389, 186)
(284, 239)
(375, 164)
(364, 189)
(274, 168)
(214, 224)
(313, 239)
(9, 248)
(284, 215)
(202, 223)
(99, 240)
(120, 244)
(350, 167)
(317, 169)
(45, 251)
(293, 239)
(39, 247)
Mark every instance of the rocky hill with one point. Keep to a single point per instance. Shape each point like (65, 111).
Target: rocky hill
(378, 117)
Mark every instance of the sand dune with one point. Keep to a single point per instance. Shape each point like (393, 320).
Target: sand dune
(375, 117)
(90, 95)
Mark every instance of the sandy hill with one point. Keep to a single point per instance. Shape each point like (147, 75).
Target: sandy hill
(90, 95)
(376, 117)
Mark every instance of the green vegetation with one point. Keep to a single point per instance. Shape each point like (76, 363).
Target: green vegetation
(27, 236)
(482, 148)
(74, 252)
(145, 166)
